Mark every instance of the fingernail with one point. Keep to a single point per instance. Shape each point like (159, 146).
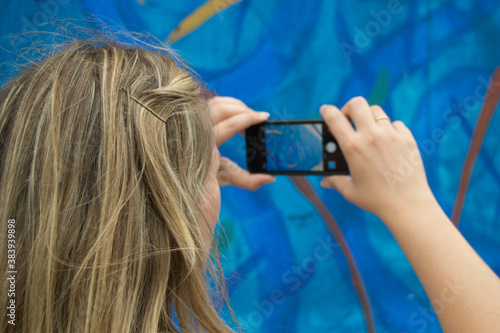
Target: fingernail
(264, 115)
(322, 108)
(323, 184)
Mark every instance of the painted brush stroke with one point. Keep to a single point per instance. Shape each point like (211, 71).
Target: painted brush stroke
(198, 17)
(305, 187)
(491, 100)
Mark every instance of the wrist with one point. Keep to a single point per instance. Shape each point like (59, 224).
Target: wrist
(402, 208)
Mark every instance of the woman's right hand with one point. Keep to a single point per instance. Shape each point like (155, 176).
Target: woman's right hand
(386, 168)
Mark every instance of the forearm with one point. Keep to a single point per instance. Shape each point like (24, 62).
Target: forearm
(464, 291)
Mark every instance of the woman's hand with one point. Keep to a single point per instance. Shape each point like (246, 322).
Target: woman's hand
(230, 117)
(389, 180)
(383, 158)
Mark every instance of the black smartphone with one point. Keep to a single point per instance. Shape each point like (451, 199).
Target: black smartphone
(293, 147)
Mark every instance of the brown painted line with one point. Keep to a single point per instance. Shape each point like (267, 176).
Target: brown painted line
(487, 110)
(305, 187)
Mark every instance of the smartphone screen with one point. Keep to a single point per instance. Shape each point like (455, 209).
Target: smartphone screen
(294, 147)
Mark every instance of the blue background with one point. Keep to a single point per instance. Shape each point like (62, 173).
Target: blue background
(422, 61)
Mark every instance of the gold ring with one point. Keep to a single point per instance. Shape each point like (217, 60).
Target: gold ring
(382, 117)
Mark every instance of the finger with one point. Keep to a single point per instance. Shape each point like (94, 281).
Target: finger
(400, 127)
(225, 107)
(378, 112)
(226, 100)
(359, 111)
(338, 124)
(340, 183)
(226, 129)
(231, 174)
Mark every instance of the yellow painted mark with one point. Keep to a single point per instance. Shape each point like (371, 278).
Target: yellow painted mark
(198, 17)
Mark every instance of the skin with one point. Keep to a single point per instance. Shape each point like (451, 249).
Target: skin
(210, 208)
(388, 179)
(231, 116)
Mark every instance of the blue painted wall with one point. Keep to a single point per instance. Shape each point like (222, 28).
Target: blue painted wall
(425, 62)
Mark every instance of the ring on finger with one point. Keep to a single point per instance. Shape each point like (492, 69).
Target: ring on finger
(382, 117)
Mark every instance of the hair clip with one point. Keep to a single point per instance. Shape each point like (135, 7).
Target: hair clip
(144, 106)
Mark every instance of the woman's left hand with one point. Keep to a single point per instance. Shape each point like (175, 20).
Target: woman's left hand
(230, 117)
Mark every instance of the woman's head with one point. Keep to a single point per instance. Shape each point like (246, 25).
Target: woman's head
(106, 197)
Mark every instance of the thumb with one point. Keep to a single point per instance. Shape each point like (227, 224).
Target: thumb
(339, 183)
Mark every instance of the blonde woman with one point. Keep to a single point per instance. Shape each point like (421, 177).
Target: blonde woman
(109, 188)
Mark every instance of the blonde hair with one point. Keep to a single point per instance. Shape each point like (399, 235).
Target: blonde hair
(104, 195)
